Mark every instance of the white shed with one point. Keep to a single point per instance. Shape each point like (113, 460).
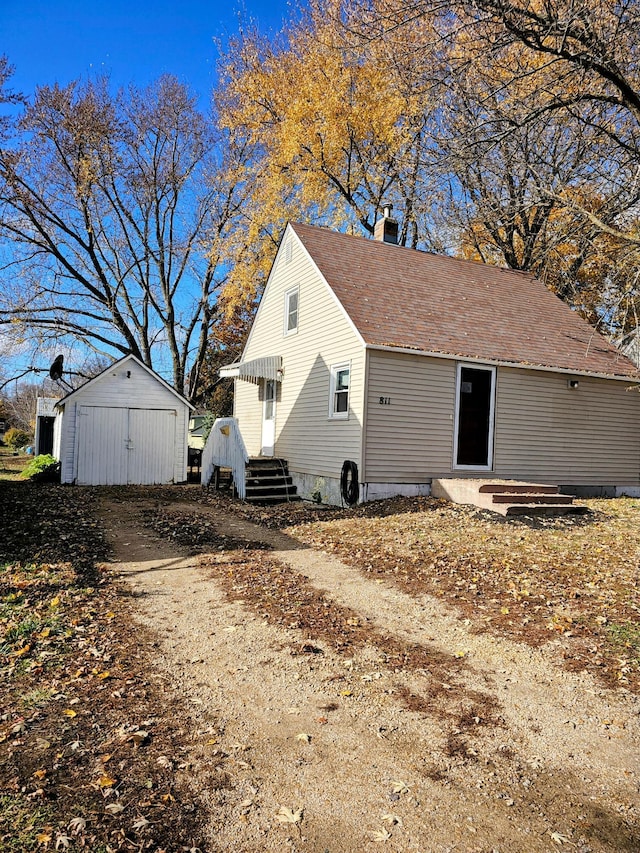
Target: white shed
(124, 426)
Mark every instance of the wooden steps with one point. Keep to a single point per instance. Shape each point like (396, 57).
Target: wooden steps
(267, 481)
(507, 497)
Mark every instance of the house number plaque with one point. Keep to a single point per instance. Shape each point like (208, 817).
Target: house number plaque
(385, 401)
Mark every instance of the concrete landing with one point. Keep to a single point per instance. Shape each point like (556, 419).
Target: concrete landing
(507, 497)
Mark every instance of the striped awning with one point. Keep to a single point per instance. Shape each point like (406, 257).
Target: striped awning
(269, 367)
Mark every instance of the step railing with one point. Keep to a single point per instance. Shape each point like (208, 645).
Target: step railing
(225, 449)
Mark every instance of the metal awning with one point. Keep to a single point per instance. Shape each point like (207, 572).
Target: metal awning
(269, 367)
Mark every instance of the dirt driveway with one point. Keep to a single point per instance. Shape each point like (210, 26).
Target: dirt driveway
(423, 737)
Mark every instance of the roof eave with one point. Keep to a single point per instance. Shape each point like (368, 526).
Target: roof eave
(494, 362)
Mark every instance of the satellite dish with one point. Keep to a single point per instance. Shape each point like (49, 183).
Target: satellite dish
(55, 371)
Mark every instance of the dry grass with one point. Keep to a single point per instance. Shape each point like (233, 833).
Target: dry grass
(575, 578)
(11, 464)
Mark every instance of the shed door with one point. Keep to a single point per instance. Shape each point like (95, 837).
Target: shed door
(152, 434)
(45, 435)
(102, 442)
(122, 446)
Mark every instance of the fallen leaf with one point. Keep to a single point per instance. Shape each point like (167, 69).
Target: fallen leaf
(106, 781)
(139, 737)
(400, 788)
(381, 835)
(114, 808)
(559, 838)
(141, 823)
(392, 819)
(304, 737)
(77, 825)
(69, 712)
(286, 815)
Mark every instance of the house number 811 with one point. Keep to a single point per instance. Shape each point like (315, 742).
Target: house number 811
(385, 401)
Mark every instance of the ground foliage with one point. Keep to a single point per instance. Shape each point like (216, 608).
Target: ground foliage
(250, 575)
(574, 579)
(90, 754)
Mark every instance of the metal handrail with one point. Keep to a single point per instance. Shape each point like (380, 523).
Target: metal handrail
(225, 448)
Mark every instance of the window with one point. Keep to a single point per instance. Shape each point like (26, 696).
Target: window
(339, 405)
(291, 300)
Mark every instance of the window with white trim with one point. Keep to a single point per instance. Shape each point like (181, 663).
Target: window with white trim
(291, 303)
(339, 391)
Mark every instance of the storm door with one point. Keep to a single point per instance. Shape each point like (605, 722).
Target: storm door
(268, 416)
(475, 392)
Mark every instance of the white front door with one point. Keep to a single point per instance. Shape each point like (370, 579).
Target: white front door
(268, 416)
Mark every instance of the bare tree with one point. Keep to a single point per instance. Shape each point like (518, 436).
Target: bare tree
(114, 213)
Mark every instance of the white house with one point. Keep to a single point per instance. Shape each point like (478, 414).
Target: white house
(410, 366)
(124, 426)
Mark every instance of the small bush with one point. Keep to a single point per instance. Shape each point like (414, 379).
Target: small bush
(16, 438)
(43, 468)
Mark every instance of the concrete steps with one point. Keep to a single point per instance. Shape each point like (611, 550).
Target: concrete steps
(507, 497)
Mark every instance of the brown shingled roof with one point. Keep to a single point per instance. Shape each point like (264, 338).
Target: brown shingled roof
(404, 298)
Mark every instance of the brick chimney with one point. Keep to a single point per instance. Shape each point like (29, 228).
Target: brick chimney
(386, 229)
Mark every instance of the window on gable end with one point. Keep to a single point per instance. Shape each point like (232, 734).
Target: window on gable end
(339, 391)
(291, 305)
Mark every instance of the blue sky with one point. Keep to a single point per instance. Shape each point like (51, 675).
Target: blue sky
(133, 41)
(51, 41)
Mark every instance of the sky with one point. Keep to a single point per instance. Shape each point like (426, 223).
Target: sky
(50, 41)
(133, 41)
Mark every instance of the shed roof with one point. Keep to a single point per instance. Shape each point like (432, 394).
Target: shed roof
(119, 363)
(407, 299)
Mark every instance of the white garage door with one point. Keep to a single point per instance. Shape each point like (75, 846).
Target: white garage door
(125, 446)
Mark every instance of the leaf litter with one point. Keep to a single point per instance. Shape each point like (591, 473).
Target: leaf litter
(77, 771)
(319, 621)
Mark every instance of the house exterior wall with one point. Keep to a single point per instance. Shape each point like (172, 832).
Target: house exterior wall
(544, 430)
(410, 438)
(115, 390)
(311, 441)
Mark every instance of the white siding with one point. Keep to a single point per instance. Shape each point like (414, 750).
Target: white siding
(546, 431)
(305, 435)
(140, 391)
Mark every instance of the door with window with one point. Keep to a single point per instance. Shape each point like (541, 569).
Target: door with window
(473, 440)
(268, 416)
